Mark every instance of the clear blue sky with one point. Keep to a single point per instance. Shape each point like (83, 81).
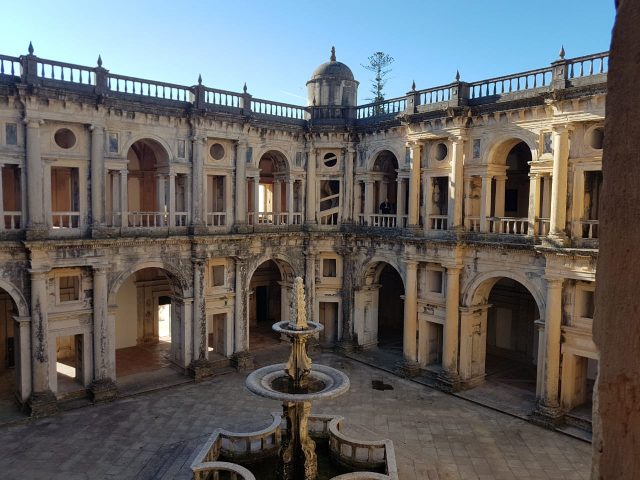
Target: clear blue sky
(274, 45)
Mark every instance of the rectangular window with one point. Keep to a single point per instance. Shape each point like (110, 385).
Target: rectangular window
(217, 275)
(11, 133)
(585, 303)
(476, 148)
(547, 143)
(69, 288)
(181, 149)
(329, 267)
(434, 279)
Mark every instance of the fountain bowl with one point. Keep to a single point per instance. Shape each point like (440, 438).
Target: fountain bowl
(334, 383)
(291, 330)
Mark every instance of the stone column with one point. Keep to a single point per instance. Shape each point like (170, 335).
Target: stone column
(546, 197)
(559, 184)
(485, 203)
(534, 203)
(553, 327)
(368, 201)
(200, 366)
(277, 201)
(400, 197)
(347, 294)
(23, 197)
(103, 387)
(35, 172)
(256, 198)
(428, 202)
(414, 186)
(241, 184)
(357, 202)
(289, 193)
(348, 158)
(456, 192)
(172, 200)
(160, 191)
(42, 401)
(311, 187)
(124, 199)
(228, 200)
(410, 366)
(24, 359)
(97, 175)
(242, 359)
(467, 200)
(499, 197)
(48, 217)
(1, 200)
(198, 196)
(450, 376)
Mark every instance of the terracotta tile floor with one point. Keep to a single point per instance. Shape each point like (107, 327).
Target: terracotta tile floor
(142, 358)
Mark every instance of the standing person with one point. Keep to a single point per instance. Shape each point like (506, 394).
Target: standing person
(385, 207)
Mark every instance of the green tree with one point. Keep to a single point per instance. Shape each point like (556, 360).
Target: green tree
(379, 64)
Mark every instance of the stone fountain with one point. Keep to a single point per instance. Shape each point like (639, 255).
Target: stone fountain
(296, 384)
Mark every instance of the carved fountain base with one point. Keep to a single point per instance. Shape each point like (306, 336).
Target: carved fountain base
(297, 456)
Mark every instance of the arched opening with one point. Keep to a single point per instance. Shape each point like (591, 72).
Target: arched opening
(156, 197)
(512, 336)
(390, 309)
(268, 304)
(274, 199)
(148, 327)
(9, 344)
(388, 196)
(510, 202)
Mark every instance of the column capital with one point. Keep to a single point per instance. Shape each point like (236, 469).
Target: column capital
(39, 271)
(452, 269)
(458, 137)
(554, 281)
(562, 128)
(23, 320)
(410, 262)
(100, 269)
(96, 128)
(123, 171)
(33, 122)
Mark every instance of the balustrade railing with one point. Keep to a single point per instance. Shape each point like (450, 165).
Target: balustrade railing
(275, 218)
(386, 107)
(472, 223)
(267, 107)
(589, 229)
(543, 226)
(216, 219)
(517, 82)
(12, 221)
(222, 98)
(181, 219)
(65, 72)
(65, 219)
(148, 219)
(588, 65)
(435, 95)
(509, 225)
(148, 88)
(438, 222)
(10, 66)
(383, 220)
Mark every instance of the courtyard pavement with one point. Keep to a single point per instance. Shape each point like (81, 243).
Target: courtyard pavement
(156, 435)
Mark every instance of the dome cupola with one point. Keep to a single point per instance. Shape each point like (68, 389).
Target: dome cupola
(332, 85)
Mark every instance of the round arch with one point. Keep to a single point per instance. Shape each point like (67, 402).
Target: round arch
(477, 292)
(175, 277)
(376, 153)
(279, 157)
(160, 146)
(287, 272)
(499, 148)
(16, 296)
(370, 272)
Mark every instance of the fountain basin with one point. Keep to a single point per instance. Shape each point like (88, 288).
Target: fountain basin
(329, 383)
(290, 329)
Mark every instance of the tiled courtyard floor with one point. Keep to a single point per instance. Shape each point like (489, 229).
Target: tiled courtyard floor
(156, 435)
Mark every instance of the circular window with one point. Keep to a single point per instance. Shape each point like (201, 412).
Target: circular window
(441, 151)
(216, 151)
(65, 138)
(330, 160)
(596, 138)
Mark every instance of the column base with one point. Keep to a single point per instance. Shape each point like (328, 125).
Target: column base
(556, 240)
(242, 228)
(102, 391)
(199, 229)
(472, 382)
(242, 361)
(448, 382)
(345, 346)
(408, 368)
(42, 404)
(415, 230)
(201, 369)
(546, 416)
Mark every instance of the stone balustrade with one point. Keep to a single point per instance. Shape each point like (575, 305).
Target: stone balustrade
(213, 471)
(589, 228)
(216, 219)
(438, 222)
(65, 219)
(12, 221)
(509, 225)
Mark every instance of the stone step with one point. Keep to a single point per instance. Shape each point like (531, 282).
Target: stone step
(579, 422)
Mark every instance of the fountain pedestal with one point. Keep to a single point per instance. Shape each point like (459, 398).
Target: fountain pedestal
(297, 450)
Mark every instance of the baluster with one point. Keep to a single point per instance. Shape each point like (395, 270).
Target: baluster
(62, 73)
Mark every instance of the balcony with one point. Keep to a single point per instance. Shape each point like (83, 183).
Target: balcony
(381, 220)
(274, 219)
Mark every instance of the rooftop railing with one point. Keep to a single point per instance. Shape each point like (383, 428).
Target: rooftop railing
(562, 73)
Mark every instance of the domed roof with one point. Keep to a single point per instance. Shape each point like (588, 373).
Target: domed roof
(333, 69)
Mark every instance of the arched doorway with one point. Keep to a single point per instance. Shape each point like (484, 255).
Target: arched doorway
(148, 325)
(388, 199)
(512, 337)
(9, 345)
(268, 302)
(379, 308)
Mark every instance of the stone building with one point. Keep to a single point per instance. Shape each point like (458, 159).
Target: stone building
(456, 225)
